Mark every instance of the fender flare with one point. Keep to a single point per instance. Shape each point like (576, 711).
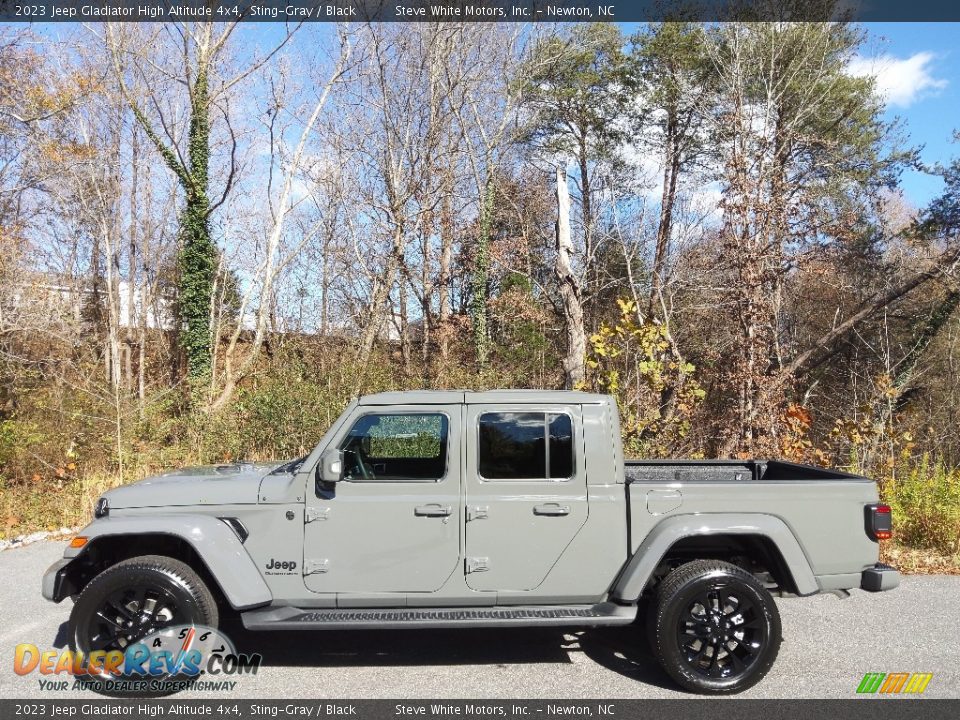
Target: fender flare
(645, 560)
(214, 542)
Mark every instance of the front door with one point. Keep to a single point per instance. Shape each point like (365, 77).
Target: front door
(526, 492)
(392, 524)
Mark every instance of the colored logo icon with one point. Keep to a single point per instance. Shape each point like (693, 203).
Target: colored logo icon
(894, 683)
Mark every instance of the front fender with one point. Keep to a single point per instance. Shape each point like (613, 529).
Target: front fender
(214, 542)
(645, 560)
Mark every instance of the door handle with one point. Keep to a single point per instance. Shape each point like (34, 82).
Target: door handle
(551, 509)
(432, 510)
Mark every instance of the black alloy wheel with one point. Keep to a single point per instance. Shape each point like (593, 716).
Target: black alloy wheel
(722, 633)
(129, 614)
(714, 627)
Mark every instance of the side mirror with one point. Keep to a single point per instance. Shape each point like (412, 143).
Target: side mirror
(331, 466)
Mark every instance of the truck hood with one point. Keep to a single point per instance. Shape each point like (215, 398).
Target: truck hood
(208, 485)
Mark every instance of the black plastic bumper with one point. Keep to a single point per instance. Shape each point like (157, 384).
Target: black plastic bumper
(879, 578)
(56, 581)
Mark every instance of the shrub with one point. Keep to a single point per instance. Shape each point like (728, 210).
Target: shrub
(656, 390)
(925, 500)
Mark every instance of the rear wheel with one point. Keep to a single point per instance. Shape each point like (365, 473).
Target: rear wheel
(714, 628)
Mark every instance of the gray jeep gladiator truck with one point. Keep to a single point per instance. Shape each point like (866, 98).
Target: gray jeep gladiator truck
(480, 509)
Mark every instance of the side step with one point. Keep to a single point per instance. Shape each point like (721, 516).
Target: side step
(292, 618)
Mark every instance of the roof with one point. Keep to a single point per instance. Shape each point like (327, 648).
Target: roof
(502, 397)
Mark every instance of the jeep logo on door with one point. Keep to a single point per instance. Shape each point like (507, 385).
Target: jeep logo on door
(281, 567)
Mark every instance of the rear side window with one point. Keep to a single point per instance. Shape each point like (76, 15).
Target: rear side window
(526, 446)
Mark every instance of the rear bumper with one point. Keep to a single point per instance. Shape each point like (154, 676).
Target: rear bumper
(879, 578)
(56, 585)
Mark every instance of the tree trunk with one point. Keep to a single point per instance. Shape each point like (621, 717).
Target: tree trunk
(325, 288)
(405, 353)
(378, 298)
(147, 235)
(426, 302)
(671, 169)
(198, 261)
(590, 279)
(446, 261)
(573, 363)
(481, 273)
(131, 328)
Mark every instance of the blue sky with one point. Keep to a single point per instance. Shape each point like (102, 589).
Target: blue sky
(918, 66)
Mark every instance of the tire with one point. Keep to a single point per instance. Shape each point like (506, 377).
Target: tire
(149, 592)
(714, 628)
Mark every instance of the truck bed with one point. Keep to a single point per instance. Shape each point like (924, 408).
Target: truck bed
(822, 509)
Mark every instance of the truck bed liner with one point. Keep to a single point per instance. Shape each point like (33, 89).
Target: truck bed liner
(658, 471)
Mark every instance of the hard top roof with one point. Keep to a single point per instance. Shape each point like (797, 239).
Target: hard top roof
(456, 397)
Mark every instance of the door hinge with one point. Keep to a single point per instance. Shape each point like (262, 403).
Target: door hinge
(313, 513)
(477, 564)
(312, 567)
(477, 512)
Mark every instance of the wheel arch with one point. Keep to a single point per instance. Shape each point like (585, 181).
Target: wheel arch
(204, 543)
(763, 539)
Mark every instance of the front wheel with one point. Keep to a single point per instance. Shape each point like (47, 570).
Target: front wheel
(136, 598)
(714, 628)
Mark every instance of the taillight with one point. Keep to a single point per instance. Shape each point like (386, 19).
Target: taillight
(879, 523)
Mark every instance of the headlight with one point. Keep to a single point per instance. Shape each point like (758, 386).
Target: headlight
(102, 508)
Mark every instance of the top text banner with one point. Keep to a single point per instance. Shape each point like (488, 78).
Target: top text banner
(475, 10)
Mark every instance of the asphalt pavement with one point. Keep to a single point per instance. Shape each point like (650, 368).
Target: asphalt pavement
(829, 644)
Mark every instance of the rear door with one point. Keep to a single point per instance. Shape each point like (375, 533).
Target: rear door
(392, 524)
(526, 496)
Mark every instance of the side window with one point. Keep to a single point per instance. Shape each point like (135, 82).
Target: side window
(526, 446)
(396, 447)
(560, 463)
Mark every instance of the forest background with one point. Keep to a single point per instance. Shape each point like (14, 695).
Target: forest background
(213, 238)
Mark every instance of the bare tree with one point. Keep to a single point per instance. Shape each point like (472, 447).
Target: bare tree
(401, 135)
(274, 261)
(570, 292)
(202, 71)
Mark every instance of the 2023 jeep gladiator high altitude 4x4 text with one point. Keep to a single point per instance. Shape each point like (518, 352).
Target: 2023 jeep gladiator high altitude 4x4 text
(462, 509)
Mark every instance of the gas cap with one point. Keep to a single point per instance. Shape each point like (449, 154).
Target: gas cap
(660, 502)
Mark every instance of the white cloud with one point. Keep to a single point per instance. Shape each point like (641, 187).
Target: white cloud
(900, 82)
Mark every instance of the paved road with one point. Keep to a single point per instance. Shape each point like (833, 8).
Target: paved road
(828, 645)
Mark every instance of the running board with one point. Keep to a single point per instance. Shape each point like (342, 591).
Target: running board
(293, 618)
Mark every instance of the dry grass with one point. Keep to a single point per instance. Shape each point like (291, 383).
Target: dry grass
(911, 561)
(30, 507)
